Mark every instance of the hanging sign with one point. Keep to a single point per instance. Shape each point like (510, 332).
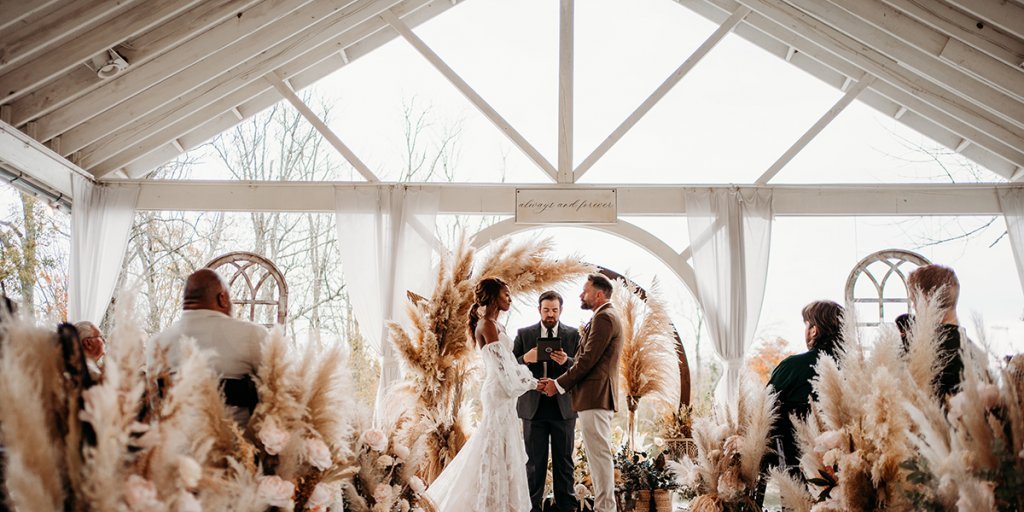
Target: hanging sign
(566, 206)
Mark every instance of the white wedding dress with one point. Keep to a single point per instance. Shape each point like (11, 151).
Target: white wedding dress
(489, 473)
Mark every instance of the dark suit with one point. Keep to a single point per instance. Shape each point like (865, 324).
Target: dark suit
(548, 420)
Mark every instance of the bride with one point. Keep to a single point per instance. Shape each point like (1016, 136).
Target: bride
(489, 473)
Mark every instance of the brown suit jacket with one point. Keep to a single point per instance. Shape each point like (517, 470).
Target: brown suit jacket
(594, 377)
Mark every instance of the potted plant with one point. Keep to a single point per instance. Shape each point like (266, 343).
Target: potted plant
(644, 483)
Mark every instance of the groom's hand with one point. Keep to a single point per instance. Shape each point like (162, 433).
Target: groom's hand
(559, 357)
(541, 384)
(549, 388)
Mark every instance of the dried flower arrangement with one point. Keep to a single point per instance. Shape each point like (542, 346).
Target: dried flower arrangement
(437, 348)
(649, 362)
(386, 480)
(730, 445)
(878, 439)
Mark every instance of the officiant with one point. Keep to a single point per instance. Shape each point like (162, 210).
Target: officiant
(548, 348)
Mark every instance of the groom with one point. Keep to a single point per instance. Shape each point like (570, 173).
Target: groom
(594, 381)
(548, 420)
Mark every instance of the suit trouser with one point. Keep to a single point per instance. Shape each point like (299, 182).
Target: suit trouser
(560, 434)
(596, 427)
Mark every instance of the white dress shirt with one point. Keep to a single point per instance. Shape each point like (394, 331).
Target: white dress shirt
(235, 344)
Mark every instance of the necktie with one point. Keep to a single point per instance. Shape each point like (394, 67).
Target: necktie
(551, 333)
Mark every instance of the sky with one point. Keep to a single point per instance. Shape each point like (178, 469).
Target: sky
(726, 122)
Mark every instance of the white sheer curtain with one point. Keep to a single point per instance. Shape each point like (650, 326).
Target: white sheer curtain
(1011, 201)
(386, 239)
(101, 219)
(730, 235)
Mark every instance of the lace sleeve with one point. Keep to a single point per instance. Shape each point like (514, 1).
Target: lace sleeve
(513, 377)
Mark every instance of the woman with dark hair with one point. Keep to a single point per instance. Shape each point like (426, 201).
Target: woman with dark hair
(489, 473)
(791, 379)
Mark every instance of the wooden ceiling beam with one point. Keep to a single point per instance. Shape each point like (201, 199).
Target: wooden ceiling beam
(131, 129)
(140, 18)
(964, 27)
(150, 148)
(171, 64)
(823, 58)
(138, 50)
(911, 90)
(861, 21)
(62, 24)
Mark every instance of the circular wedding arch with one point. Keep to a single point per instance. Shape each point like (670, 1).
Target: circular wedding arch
(632, 233)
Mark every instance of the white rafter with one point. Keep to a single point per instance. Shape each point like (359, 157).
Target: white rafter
(566, 17)
(485, 108)
(286, 91)
(816, 128)
(663, 89)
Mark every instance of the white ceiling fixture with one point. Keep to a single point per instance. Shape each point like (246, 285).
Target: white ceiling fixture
(109, 65)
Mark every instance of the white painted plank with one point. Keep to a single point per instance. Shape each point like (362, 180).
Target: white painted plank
(916, 92)
(171, 64)
(16, 11)
(320, 126)
(815, 59)
(150, 149)
(906, 50)
(1008, 16)
(485, 108)
(663, 89)
(137, 51)
(815, 129)
(62, 24)
(566, 71)
(638, 200)
(963, 27)
(1010, 80)
(140, 18)
(296, 47)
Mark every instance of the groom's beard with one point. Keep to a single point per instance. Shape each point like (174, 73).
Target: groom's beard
(584, 305)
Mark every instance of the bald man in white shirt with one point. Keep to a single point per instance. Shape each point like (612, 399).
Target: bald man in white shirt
(235, 344)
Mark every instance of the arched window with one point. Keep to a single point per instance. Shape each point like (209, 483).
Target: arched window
(871, 284)
(258, 288)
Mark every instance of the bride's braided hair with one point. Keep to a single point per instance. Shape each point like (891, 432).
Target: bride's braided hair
(486, 294)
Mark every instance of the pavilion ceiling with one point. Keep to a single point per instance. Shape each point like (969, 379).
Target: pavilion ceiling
(951, 69)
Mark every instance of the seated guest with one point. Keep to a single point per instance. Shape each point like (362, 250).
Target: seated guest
(94, 346)
(938, 285)
(235, 344)
(791, 379)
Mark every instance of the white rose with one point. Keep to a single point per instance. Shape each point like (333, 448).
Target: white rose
(140, 494)
(386, 461)
(403, 505)
(417, 485)
(375, 439)
(828, 441)
(189, 471)
(317, 453)
(274, 491)
(272, 436)
(581, 491)
(186, 502)
(400, 451)
(659, 442)
(320, 498)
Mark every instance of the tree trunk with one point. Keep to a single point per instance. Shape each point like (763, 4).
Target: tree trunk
(28, 273)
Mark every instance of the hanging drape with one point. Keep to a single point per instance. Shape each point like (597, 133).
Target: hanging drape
(386, 239)
(730, 236)
(101, 219)
(1011, 201)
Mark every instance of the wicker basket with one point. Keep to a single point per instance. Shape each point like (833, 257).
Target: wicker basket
(660, 501)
